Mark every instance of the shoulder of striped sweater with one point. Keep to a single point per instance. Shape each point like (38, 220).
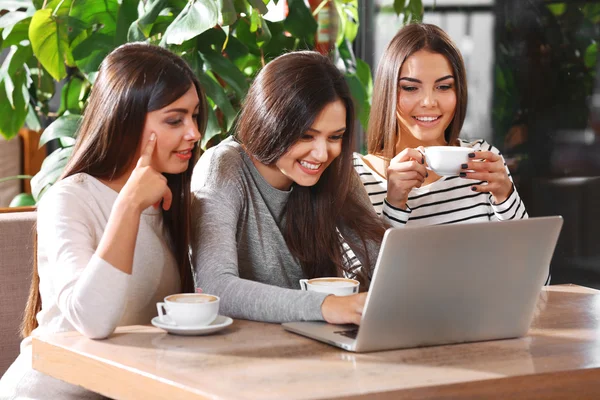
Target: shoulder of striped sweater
(479, 144)
(357, 160)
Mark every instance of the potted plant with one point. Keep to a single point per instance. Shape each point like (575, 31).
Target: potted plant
(225, 41)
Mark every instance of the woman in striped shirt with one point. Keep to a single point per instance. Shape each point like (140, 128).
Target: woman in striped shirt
(420, 100)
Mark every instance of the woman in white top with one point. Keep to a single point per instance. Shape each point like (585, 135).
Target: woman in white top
(113, 232)
(420, 100)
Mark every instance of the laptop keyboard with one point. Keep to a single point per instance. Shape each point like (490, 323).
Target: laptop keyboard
(351, 333)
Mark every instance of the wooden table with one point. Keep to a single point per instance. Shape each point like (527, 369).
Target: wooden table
(559, 358)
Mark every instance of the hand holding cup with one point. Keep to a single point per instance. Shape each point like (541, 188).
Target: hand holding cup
(405, 172)
(489, 167)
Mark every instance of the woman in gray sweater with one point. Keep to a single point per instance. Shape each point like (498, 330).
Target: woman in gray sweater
(280, 201)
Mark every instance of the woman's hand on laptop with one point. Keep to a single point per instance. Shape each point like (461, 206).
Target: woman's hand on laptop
(343, 309)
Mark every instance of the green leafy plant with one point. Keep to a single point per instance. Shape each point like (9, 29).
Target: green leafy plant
(225, 41)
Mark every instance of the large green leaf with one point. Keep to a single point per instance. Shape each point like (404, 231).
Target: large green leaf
(280, 42)
(8, 20)
(348, 20)
(65, 126)
(126, 16)
(591, 55)
(225, 69)
(258, 5)
(43, 82)
(50, 42)
(235, 48)
(363, 72)
(13, 117)
(260, 29)
(244, 34)
(212, 128)
(359, 96)
(300, 22)
(399, 6)
(100, 12)
(14, 95)
(18, 33)
(140, 29)
(90, 52)
(195, 18)
(13, 69)
(51, 169)
(227, 13)
(217, 94)
(72, 96)
(32, 121)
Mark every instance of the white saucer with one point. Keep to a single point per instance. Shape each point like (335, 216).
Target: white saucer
(219, 323)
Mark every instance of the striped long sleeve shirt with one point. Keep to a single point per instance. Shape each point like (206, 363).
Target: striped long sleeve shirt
(448, 200)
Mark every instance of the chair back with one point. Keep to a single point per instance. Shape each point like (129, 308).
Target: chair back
(17, 235)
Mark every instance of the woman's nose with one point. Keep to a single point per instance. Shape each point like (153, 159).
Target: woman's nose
(429, 100)
(319, 151)
(193, 134)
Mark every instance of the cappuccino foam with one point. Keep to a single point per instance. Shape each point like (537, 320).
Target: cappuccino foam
(192, 299)
(333, 283)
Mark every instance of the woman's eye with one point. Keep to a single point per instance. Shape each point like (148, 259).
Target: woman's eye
(174, 122)
(409, 88)
(306, 137)
(336, 137)
(445, 87)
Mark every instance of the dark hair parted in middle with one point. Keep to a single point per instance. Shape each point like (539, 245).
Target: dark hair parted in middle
(133, 80)
(383, 123)
(282, 104)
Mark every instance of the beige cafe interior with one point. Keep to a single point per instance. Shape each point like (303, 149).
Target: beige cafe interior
(534, 93)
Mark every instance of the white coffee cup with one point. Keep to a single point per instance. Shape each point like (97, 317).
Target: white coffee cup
(188, 309)
(447, 160)
(333, 285)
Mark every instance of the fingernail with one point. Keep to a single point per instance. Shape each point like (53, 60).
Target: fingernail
(471, 155)
(464, 166)
(463, 174)
(422, 160)
(473, 188)
(152, 136)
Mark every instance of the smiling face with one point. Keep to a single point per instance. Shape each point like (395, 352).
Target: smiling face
(306, 159)
(426, 100)
(176, 128)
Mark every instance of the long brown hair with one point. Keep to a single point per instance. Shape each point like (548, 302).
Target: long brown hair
(281, 105)
(133, 80)
(383, 128)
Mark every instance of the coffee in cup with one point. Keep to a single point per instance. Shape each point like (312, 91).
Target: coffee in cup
(188, 309)
(333, 285)
(447, 160)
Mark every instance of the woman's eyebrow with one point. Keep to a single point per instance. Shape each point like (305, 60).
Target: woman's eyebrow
(318, 131)
(443, 78)
(181, 109)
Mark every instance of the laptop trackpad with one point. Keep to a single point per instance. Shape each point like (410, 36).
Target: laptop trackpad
(338, 335)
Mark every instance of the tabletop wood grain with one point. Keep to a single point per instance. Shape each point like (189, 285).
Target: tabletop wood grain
(250, 360)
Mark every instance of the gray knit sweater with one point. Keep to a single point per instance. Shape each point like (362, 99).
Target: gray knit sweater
(239, 251)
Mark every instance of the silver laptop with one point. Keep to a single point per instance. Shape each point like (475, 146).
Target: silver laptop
(447, 284)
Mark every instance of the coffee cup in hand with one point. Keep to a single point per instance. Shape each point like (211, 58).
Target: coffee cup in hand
(333, 285)
(188, 309)
(447, 160)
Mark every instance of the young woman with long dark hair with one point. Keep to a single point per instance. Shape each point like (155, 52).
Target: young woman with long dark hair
(113, 236)
(420, 100)
(280, 201)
